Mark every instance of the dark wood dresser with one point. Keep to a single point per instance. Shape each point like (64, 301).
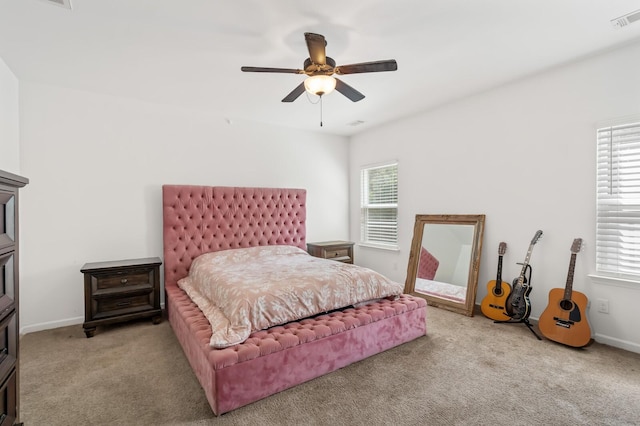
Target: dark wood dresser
(9, 300)
(341, 251)
(121, 290)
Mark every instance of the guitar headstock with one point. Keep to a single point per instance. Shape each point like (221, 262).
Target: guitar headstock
(502, 248)
(536, 237)
(576, 246)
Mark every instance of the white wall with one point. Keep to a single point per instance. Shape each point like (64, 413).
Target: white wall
(524, 155)
(96, 165)
(9, 122)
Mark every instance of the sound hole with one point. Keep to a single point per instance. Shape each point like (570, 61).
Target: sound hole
(567, 305)
(497, 292)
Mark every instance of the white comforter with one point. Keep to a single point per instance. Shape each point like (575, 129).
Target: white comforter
(244, 290)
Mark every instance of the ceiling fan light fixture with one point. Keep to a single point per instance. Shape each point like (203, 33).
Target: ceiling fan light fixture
(320, 84)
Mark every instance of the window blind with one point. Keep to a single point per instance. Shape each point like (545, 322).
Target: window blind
(379, 205)
(618, 201)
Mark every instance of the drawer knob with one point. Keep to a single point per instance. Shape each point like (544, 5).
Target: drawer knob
(123, 281)
(123, 303)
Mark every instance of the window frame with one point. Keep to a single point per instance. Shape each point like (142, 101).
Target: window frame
(366, 206)
(618, 201)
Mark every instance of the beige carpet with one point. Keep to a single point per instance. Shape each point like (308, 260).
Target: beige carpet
(466, 371)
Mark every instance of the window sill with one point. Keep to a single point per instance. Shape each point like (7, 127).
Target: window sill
(616, 282)
(379, 246)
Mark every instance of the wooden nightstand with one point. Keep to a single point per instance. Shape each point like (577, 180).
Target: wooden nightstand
(120, 291)
(342, 251)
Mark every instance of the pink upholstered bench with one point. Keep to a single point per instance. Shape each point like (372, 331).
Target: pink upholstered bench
(232, 381)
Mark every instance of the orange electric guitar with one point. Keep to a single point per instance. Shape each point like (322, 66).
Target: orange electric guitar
(565, 320)
(493, 304)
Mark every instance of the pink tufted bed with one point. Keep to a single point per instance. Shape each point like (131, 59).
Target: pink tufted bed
(201, 219)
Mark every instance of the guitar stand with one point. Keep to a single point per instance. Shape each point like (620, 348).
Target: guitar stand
(525, 320)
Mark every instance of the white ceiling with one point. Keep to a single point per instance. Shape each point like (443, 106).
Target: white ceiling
(189, 52)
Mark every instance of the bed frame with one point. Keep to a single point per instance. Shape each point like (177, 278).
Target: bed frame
(200, 219)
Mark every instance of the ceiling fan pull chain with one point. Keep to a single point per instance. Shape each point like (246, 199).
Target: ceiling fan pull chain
(320, 110)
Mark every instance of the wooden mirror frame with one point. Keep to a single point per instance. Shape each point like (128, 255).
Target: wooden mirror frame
(466, 308)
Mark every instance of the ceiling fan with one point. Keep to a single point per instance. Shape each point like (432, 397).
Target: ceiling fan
(320, 70)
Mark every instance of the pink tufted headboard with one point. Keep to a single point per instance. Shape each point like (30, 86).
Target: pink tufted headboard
(427, 265)
(200, 219)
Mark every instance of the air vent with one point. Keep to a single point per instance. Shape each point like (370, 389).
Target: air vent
(627, 19)
(356, 123)
(63, 3)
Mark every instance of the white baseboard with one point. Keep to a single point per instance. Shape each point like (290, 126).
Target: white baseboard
(49, 325)
(56, 324)
(617, 343)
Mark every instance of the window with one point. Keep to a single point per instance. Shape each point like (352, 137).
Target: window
(618, 201)
(379, 205)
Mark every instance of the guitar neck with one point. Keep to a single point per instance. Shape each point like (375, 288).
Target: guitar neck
(568, 289)
(502, 248)
(524, 265)
(499, 275)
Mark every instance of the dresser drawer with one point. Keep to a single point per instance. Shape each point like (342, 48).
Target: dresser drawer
(7, 219)
(8, 345)
(8, 268)
(8, 400)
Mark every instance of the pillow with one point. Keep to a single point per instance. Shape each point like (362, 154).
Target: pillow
(427, 265)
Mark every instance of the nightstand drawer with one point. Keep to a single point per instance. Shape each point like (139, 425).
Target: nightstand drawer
(123, 304)
(337, 253)
(341, 251)
(122, 279)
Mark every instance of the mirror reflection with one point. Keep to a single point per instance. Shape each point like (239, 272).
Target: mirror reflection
(444, 260)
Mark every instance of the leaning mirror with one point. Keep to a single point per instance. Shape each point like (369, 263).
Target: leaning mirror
(444, 260)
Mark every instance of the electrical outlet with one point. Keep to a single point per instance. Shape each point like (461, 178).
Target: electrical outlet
(603, 306)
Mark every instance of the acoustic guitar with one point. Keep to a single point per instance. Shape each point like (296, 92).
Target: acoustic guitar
(493, 304)
(564, 320)
(518, 305)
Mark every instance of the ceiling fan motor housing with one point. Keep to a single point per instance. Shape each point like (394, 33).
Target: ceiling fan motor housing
(311, 68)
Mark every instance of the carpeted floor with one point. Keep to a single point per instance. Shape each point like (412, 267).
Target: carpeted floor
(466, 371)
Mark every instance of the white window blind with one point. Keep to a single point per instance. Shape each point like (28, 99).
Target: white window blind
(379, 205)
(618, 201)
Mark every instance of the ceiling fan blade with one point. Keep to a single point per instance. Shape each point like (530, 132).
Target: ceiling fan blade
(280, 70)
(294, 93)
(375, 66)
(348, 91)
(316, 45)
